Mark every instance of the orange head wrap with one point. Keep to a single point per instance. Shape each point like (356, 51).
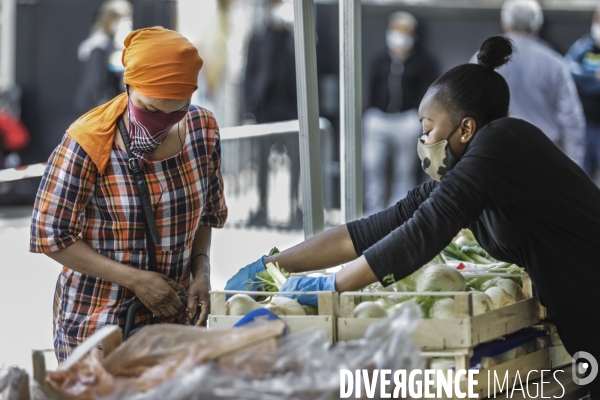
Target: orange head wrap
(158, 63)
(161, 63)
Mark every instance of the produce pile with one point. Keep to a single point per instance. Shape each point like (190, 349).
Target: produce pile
(268, 281)
(456, 269)
(242, 304)
(489, 293)
(465, 249)
(271, 279)
(463, 266)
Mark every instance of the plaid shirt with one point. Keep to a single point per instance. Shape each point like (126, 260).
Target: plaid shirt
(74, 202)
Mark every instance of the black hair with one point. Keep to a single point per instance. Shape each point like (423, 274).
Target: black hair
(477, 90)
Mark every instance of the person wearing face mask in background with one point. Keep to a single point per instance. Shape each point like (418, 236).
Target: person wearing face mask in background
(542, 89)
(399, 79)
(525, 201)
(100, 53)
(88, 213)
(583, 59)
(269, 95)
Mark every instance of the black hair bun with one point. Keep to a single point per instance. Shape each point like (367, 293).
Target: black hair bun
(494, 52)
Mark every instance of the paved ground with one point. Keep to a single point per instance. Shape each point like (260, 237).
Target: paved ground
(27, 280)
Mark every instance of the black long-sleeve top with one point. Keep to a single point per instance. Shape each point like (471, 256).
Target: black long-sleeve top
(400, 85)
(270, 79)
(526, 203)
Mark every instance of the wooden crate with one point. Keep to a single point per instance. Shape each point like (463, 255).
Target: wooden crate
(545, 359)
(328, 309)
(464, 332)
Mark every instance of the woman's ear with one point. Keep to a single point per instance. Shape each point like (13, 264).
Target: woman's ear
(468, 128)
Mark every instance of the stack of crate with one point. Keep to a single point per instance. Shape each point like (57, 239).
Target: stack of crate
(457, 337)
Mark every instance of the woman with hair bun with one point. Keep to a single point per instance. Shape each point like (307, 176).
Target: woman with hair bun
(525, 201)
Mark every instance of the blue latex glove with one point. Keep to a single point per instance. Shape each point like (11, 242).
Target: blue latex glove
(240, 280)
(308, 284)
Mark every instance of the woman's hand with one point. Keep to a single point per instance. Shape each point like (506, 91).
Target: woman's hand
(308, 284)
(198, 292)
(241, 280)
(159, 294)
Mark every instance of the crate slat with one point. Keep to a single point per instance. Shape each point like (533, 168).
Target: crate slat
(328, 309)
(430, 334)
(296, 323)
(496, 323)
(440, 334)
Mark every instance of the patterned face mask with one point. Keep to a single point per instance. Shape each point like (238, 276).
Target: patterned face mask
(147, 130)
(437, 159)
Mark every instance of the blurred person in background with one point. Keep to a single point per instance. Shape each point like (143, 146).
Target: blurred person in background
(270, 96)
(583, 60)
(214, 41)
(542, 89)
(100, 53)
(399, 79)
(14, 137)
(88, 214)
(223, 35)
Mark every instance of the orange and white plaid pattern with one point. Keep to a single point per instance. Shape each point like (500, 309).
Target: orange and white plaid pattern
(74, 202)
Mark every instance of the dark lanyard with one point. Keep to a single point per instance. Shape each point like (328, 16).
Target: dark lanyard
(152, 236)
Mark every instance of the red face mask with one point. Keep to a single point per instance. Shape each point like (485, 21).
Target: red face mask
(147, 130)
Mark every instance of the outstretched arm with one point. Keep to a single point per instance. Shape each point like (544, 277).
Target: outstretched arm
(481, 180)
(356, 275)
(327, 249)
(345, 243)
(340, 245)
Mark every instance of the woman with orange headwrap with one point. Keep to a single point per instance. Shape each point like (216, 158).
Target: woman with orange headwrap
(88, 215)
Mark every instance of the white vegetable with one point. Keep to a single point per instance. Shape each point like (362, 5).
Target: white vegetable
(387, 302)
(394, 308)
(369, 309)
(397, 298)
(285, 306)
(440, 278)
(499, 297)
(511, 287)
(241, 304)
(481, 303)
(462, 241)
(382, 302)
(443, 309)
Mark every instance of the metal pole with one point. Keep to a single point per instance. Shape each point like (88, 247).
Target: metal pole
(308, 115)
(351, 110)
(8, 25)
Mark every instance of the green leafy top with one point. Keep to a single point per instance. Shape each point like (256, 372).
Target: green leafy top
(264, 279)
